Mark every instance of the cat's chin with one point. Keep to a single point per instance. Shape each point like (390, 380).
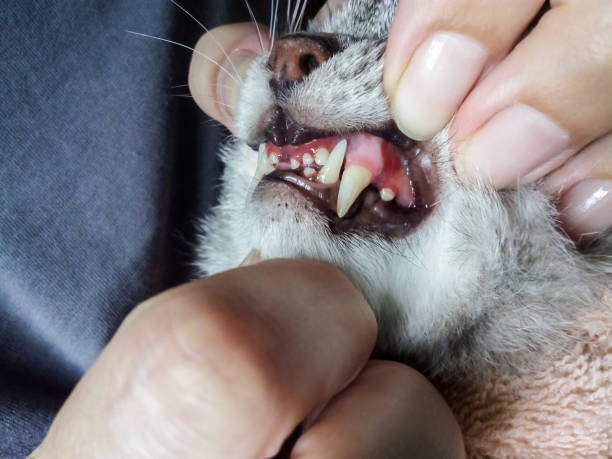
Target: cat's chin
(367, 184)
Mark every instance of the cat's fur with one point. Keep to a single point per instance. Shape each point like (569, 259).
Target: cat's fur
(488, 280)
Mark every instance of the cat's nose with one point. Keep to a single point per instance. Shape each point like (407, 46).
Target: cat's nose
(295, 56)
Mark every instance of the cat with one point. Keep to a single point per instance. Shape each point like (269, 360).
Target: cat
(463, 279)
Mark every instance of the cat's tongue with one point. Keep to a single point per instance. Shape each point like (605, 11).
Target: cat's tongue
(358, 161)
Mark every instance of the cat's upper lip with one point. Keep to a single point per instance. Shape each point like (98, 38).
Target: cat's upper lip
(360, 181)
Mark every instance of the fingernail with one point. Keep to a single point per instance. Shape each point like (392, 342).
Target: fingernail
(231, 75)
(440, 74)
(515, 142)
(586, 209)
(252, 258)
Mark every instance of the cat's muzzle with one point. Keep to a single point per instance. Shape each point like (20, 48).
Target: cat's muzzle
(362, 182)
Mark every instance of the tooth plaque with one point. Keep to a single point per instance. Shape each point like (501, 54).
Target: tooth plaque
(309, 172)
(307, 159)
(387, 194)
(355, 179)
(330, 173)
(322, 156)
(263, 163)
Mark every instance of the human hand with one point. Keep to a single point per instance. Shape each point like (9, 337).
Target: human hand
(229, 365)
(539, 109)
(521, 111)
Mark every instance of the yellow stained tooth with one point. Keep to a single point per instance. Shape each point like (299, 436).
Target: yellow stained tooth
(309, 172)
(331, 171)
(355, 179)
(387, 194)
(307, 159)
(322, 156)
(263, 164)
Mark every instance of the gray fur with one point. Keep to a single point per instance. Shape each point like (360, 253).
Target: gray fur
(488, 280)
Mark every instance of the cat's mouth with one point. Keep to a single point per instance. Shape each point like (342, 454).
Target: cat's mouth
(363, 182)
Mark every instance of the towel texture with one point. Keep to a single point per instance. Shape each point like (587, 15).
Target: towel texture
(563, 409)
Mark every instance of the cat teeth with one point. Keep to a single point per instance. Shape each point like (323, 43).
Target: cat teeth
(295, 164)
(263, 163)
(331, 171)
(307, 159)
(274, 159)
(355, 179)
(387, 194)
(309, 172)
(322, 156)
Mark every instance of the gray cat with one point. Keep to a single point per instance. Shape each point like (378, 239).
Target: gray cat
(463, 279)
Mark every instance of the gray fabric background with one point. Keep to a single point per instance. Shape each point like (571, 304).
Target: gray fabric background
(102, 172)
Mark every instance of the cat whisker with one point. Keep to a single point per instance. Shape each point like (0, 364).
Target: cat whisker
(271, 23)
(291, 22)
(208, 58)
(179, 86)
(208, 96)
(274, 21)
(288, 13)
(296, 14)
(211, 36)
(298, 24)
(256, 24)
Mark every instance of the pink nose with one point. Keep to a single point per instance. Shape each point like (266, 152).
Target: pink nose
(296, 56)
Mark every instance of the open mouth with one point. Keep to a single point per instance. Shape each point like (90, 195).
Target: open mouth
(363, 182)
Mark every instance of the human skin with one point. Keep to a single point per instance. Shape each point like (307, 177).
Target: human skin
(539, 109)
(229, 365)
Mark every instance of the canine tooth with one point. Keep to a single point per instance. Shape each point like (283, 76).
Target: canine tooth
(322, 156)
(307, 159)
(331, 171)
(387, 194)
(295, 164)
(309, 172)
(263, 164)
(354, 180)
(274, 159)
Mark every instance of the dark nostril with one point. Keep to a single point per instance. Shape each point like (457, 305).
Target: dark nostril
(308, 63)
(297, 56)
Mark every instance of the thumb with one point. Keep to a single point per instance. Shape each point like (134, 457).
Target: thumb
(219, 64)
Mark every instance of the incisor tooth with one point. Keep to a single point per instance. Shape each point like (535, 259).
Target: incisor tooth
(322, 156)
(274, 159)
(331, 171)
(295, 164)
(263, 164)
(355, 179)
(309, 172)
(307, 159)
(387, 194)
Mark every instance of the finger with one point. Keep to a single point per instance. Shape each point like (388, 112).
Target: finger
(594, 161)
(549, 98)
(329, 7)
(584, 185)
(390, 411)
(228, 365)
(219, 64)
(437, 50)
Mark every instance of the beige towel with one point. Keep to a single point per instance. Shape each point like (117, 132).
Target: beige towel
(563, 410)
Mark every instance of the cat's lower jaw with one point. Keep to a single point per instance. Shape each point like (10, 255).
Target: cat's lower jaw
(487, 280)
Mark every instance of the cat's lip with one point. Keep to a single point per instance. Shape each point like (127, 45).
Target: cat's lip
(391, 188)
